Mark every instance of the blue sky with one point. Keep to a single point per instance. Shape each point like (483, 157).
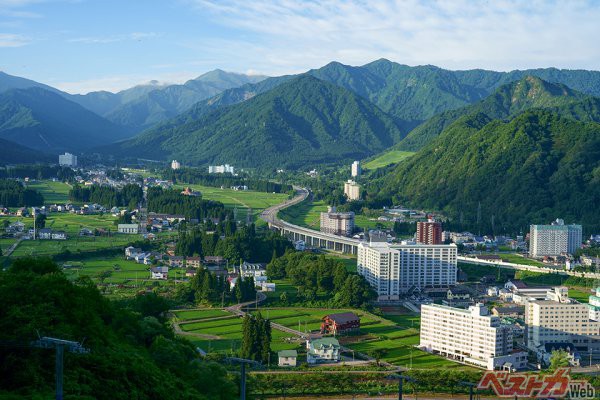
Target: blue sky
(85, 45)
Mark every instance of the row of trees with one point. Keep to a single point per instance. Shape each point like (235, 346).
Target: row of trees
(38, 172)
(313, 274)
(238, 244)
(256, 338)
(14, 194)
(173, 202)
(206, 287)
(194, 175)
(129, 196)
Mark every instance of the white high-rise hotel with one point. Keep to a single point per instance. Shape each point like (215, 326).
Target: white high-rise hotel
(471, 336)
(394, 269)
(67, 160)
(552, 240)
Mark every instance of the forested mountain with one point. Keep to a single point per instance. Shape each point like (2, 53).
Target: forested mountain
(510, 99)
(531, 169)
(46, 121)
(301, 122)
(13, 153)
(133, 352)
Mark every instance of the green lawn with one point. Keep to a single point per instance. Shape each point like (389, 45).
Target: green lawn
(390, 157)
(517, 259)
(242, 200)
(581, 296)
(53, 192)
(306, 214)
(184, 315)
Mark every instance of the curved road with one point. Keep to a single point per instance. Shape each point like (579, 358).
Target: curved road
(269, 215)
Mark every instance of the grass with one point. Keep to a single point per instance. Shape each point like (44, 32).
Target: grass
(580, 295)
(186, 315)
(517, 259)
(243, 200)
(53, 192)
(387, 158)
(308, 214)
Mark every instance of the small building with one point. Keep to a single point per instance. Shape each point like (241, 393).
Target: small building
(190, 273)
(322, 350)
(86, 232)
(515, 285)
(131, 252)
(59, 235)
(214, 260)
(509, 311)
(128, 228)
(266, 286)
(287, 358)
(44, 233)
(159, 272)
(176, 261)
(340, 324)
(193, 262)
(252, 269)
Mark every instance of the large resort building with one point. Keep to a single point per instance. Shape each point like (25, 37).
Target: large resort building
(396, 269)
(472, 336)
(554, 239)
(337, 223)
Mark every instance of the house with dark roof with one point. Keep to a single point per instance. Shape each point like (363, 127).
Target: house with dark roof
(340, 324)
(515, 285)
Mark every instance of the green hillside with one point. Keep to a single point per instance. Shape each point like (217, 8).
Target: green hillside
(510, 99)
(531, 169)
(387, 158)
(13, 153)
(299, 123)
(46, 121)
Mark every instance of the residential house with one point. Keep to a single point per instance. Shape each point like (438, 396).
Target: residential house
(159, 272)
(176, 261)
(340, 323)
(190, 273)
(131, 252)
(214, 260)
(193, 262)
(287, 358)
(86, 232)
(322, 350)
(252, 269)
(266, 286)
(515, 285)
(44, 233)
(22, 212)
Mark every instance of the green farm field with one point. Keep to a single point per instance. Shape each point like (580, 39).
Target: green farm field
(390, 157)
(240, 199)
(53, 192)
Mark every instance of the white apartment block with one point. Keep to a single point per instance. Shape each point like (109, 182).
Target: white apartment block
(221, 169)
(394, 269)
(175, 164)
(552, 240)
(356, 169)
(559, 319)
(337, 223)
(128, 228)
(472, 336)
(67, 160)
(352, 190)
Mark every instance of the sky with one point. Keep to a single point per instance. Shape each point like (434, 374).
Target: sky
(87, 45)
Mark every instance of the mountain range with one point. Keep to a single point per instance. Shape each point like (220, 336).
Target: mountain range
(529, 153)
(301, 121)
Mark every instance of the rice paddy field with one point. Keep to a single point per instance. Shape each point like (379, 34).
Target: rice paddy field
(395, 335)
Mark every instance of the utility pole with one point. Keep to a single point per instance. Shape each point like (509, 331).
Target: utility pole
(242, 362)
(59, 345)
(401, 379)
(471, 386)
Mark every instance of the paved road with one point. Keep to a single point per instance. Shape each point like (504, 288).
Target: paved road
(12, 248)
(269, 215)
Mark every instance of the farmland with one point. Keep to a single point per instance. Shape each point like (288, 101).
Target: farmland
(53, 192)
(242, 200)
(395, 336)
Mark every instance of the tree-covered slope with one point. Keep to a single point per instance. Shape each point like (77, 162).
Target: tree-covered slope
(510, 99)
(13, 153)
(133, 353)
(301, 122)
(531, 169)
(46, 121)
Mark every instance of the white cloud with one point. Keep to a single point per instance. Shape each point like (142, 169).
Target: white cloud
(12, 40)
(135, 36)
(292, 35)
